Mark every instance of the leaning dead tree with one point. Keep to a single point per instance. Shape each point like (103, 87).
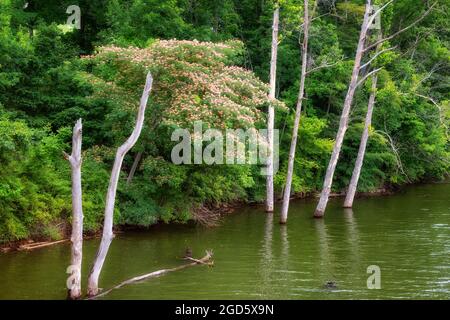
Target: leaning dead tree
(74, 292)
(350, 196)
(348, 203)
(355, 82)
(271, 111)
(206, 260)
(320, 210)
(298, 112)
(108, 235)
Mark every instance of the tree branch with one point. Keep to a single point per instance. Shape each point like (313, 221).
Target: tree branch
(401, 30)
(376, 56)
(322, 66)
(315, 18)
(367, 75)
(396, 154)
(66, 156)
(441, 117)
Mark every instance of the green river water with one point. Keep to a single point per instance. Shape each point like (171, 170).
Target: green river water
(407, 235)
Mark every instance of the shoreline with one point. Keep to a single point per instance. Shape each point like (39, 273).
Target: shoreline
(219, 212)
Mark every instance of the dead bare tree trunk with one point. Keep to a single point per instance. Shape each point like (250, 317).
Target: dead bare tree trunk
(343, 124)
(354, 83)
(137, 159)
(298, 112)
(348, 203)
(111, 195)
(271, 112)
(74, 291)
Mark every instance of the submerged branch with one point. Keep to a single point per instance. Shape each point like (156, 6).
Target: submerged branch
(206, 260)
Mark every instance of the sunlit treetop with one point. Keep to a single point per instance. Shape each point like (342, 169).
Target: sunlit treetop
(193, 81)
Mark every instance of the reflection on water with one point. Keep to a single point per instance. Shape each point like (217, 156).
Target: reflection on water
(406, 235)
(284, 257)
(266, 259)
(327, 262)
(353, 240)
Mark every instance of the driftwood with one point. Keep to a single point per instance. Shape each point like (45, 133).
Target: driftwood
(207, 217)
(200, 261)
(206, 260)
(37, 245)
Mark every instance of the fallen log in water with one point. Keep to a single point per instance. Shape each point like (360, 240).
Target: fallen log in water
(37, 245)
(206, 260)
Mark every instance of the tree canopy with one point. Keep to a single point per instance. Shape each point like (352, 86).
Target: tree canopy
(211, 61)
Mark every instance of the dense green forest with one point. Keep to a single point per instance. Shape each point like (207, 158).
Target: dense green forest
(51, 75)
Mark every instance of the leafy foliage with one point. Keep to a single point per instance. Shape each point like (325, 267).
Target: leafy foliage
(215, 72)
